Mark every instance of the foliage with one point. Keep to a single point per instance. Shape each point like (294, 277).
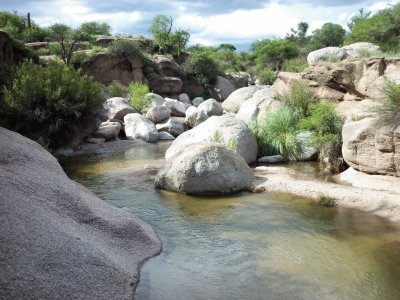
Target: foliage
(329, 35)
(178, 42)
(228, 60)
(296, 65)
(275, 52)
(326, 200)
(299, 36)
(91, 29)
(125, 48)
(216, 137)
(277, 133)
(116, 89)
(137, 96)
(266, 76)
(382, 28)
(161, 28)
(232, 144)
(389, 111)
(298, 98)
(47, 102)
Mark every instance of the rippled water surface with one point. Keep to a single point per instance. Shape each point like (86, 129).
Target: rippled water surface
(249, 246)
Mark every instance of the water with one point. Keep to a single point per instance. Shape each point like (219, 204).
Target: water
(249, 246)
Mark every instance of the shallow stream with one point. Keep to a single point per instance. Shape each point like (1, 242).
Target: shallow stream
(249, 246)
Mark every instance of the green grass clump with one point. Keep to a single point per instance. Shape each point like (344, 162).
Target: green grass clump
(296, 65)
(389, 111)
(137, 96)
(116, 89)
(125, 48)
(326, 200)
(266, 76)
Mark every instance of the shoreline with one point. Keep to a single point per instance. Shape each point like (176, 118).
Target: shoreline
(384, 203)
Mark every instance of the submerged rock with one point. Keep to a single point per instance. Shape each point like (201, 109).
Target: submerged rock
(205, 169)
(58, 240)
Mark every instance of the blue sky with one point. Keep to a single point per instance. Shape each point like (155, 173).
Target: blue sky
(239, 22)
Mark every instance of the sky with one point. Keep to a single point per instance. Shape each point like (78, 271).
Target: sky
(239, 22)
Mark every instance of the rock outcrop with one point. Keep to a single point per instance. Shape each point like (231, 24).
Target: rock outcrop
(58, 240)
(106, 68)
(205, 169)
(370, 148)
(226, 130)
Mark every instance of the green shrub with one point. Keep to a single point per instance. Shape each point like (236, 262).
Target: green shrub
(125, 48)
(296, 65)
(216, 137)
(326, 200)
(48, 102)
(277, 133)
(137, 94)
(266, 76)
(298, 98)
(116, 89)
(389, 111)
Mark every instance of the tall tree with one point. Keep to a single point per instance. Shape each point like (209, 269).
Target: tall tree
(329, 35)
(161, 28)
(299, 36)
(66, 39)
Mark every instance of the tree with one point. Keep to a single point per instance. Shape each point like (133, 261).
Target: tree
(161, 28)
(329, 35)
(299, 36)
(362, 15)
(178, 41)
(67, 38)
(226, 47)
(274, 52)
(95, 28)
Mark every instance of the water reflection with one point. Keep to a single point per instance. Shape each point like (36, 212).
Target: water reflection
(248, 246)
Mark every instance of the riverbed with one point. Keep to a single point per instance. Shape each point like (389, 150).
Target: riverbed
(247, 246)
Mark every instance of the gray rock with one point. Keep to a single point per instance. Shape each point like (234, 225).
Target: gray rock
(95, 140)
(165, 136)
(155, 99)
(197, 101)
(107, 130)
(325, 53)
(362, 48)
(211, 107)
(226, 130)
(205, 169)
(237, 98)
(177, 108)
(158, 113)
(184, 98)
(195, 116)
(173, 125)
(273, 159)
(307, 152)
(117, 108)
(58, 240)
(139, 127)
(222, 88)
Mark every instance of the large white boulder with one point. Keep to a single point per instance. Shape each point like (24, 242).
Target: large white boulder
(107, 130)
(237, 98)
(361, 49)
(211, 107)
(325, 53)
(205, 169)
(158, 113)
(155, 99)
(139, 127)
(226, 130)
(177, 108)
(117, 107)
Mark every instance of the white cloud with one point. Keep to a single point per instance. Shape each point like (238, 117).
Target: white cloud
(381, 5)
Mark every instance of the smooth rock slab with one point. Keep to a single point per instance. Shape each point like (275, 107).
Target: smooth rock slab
(58, 240)
(205, 169)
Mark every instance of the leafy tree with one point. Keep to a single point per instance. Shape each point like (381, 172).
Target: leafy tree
(382, 28)
(362, 15)
(329, 35)
(178, 41)
(226, 47)
(299, 36)
(95, 28)
(161, 28)
(274, 52)
(66, 39)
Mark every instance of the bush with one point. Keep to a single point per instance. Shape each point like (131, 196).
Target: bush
(116, 89)
(326, 200)
(277, 133)
(266, 76)
(296, 65)
(137, 94)
(47, 102)
(125, 48)
(389, 111)
(298, 98)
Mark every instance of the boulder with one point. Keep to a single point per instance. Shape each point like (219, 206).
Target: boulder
(6, 49)
(235, 100)
(307, 152)
(222, 88)
(225, 129)
(256, 108)
(165, 136)
(177, 108)
(168, 67)
(158, 113)
(173, 125)
(107, 130)
(139, 127)
(325, 53)
(361, 49)
(370, 148)
(197, 101)
(58, 240)
(166, 85)
(272, 159)
(117, 108)
(284, 81)
(106, 68)
(184, 98)
(195, 116)
(205, 169)
(154, 99)
(194, 88)
(211, 107)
